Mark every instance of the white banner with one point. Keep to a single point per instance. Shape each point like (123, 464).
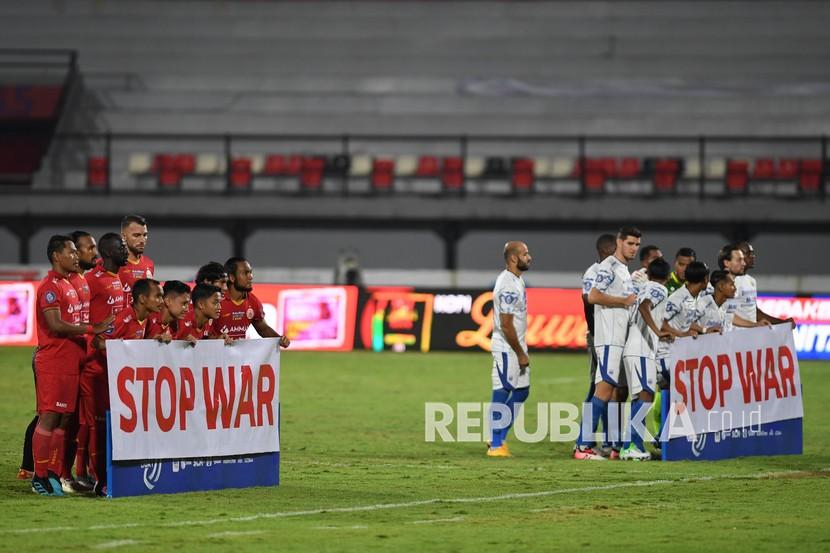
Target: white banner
(180, 401)
(746, 377)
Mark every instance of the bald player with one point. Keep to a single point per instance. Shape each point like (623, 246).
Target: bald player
(511, 365)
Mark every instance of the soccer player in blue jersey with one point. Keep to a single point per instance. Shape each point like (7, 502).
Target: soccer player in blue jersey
(511, 365)
(606, 244)
(639, 354)
(612, 295)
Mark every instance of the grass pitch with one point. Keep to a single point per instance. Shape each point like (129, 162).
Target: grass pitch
(357, 475)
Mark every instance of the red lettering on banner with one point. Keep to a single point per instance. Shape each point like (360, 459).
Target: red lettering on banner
(681, 387)
(187, 395)
(691, 366)
(750, 379)
(787, 371)
(706, 365)
(218, 398)
(724, 377)
(127, 374)
(770, 379)
(265, 397)
(246, 400)
(144, 375)
(165, 375)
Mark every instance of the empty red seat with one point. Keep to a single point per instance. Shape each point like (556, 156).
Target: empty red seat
(787, 169)
(605, 165)
(594, 180)
(629, 168)
(294, 164)
(169, 175)
(452, 173)
(383, 174)
(275, 164)
(427, 167)
(240, 178)
(278, 165)
(811, 166)
(665, 174)
(186, 163)
(811, 177)
(737, 176)
(311, 173)
(523, 176)
(764, 169)
(96, 172)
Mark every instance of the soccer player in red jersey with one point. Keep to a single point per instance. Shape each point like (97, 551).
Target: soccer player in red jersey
(213, 273)
(107, 298)
(240, 307)
(200, 322)
(77, 434)
(134, 232)
(87, 255)
(130, 324)
(58, 361)
(164, 325)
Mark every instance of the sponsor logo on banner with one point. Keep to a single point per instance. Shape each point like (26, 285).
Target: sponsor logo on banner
(152, 473)
(774, 438)
(554, 320)
(175, 401)
(131, 478)
(734, 380)
(403, 318)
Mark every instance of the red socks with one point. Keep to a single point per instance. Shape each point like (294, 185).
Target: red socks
(41, 450)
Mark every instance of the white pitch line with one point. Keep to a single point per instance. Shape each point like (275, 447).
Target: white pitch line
(374, 466)
(232, 534)
(116, 543)
(435, 520)
(355, 527)
(423, 502)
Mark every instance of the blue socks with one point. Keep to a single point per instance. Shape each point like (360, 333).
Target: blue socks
(499, 396)
(513, 400)
(636, 438)
(599, 412)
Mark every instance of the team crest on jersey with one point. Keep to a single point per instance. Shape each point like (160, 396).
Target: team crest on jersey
(509, 298)
(51, 297)
(249, 313)
(149, 274)
(600, 278)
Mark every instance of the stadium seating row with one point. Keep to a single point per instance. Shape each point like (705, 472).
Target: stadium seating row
(453, 171)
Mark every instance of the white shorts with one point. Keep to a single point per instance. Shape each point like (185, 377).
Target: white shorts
(609, 365)
(641, 373)
(506, 371)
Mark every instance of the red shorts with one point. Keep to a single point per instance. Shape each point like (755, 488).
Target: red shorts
(57, 392)
(95, 398)
(67, 359)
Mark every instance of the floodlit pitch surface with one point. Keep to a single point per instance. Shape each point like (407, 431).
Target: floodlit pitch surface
(357, 476)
